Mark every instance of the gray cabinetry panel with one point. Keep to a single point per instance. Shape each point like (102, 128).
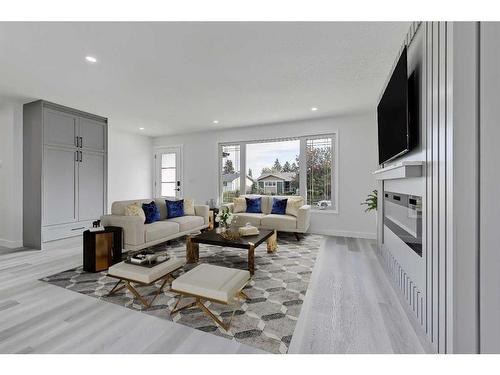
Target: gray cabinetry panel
(91, 186)
(59, 128)
(92, 134)
(60, 143)
(59, 186)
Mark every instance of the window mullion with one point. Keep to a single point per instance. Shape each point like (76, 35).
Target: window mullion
(243, 168)
(303, 168)
(219, 167)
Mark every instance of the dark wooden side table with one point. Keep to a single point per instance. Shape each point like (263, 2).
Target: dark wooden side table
(211, 218)
(102, 249)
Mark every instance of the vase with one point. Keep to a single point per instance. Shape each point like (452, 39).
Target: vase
(221, 228)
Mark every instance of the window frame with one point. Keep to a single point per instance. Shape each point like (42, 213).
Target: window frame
(221, 145)
(334, 162)
(302, 161)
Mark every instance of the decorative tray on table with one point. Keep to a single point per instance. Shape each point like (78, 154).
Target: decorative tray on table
(147, 258)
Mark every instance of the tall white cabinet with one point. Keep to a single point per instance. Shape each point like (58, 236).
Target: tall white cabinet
(65, 169)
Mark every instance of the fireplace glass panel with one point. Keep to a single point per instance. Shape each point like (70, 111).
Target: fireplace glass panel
(403, 216)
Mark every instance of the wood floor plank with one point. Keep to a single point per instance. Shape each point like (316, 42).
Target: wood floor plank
(7, 304)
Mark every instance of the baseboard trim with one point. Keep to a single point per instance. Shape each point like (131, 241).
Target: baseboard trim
(11, 244)
(343, 233)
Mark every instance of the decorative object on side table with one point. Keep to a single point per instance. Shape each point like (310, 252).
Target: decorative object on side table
(102, 249)
(213, 203)
(96, 226)
(224, 218)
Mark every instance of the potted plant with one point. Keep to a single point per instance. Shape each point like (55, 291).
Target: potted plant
(371, 201)
(224, 218)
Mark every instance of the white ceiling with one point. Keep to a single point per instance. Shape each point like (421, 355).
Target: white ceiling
(178, 77)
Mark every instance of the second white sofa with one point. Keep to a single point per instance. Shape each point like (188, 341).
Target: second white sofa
(267, 220)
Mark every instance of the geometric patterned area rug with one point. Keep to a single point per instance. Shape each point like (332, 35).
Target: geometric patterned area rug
(266, 320)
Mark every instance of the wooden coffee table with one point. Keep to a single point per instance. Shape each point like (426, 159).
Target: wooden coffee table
(210, 237)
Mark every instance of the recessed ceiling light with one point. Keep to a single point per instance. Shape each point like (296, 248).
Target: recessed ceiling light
(216, 121)
(141, 128)
(91, 59)
(314, 109)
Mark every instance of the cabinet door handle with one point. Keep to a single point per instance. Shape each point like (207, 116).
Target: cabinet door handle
(76, 156)
(76, 141)
(81, 156)
(81, 142)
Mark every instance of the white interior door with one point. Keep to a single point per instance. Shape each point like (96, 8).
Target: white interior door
(168, 176)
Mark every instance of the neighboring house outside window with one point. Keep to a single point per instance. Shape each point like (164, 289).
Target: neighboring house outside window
(277, 183)
(231, 182)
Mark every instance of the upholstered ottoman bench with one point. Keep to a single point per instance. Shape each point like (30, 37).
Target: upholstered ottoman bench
(131, 273)
(207, 282)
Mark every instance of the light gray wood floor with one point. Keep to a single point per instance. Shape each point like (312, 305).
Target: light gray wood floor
(36, 317)
(350, 307)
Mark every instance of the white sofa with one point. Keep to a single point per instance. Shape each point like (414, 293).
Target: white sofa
(266, 220)
(138, 235)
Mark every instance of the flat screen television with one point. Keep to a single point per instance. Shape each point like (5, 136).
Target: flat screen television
(392, 115)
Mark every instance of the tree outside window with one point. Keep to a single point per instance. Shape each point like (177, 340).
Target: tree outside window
(319, 172)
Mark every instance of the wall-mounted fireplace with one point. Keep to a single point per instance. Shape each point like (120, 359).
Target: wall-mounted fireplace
(403, 216)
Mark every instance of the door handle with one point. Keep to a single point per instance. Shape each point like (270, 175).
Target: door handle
(81, 156)
(77, 142)
(76, 156)
(81, 142)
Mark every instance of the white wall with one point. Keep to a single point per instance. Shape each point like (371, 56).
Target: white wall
(130, 166)
(11, 175)
(357, 160)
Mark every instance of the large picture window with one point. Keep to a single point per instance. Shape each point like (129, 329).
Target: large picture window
(273, 167)
(294, 166)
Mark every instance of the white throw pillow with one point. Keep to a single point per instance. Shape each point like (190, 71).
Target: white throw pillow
(293, 204)
(240, 205)
(135, 209)
(189, 207)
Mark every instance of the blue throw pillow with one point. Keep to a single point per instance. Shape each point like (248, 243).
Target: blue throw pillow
(175, 208)
(279, 206)
(254, 205)
(151, 211)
